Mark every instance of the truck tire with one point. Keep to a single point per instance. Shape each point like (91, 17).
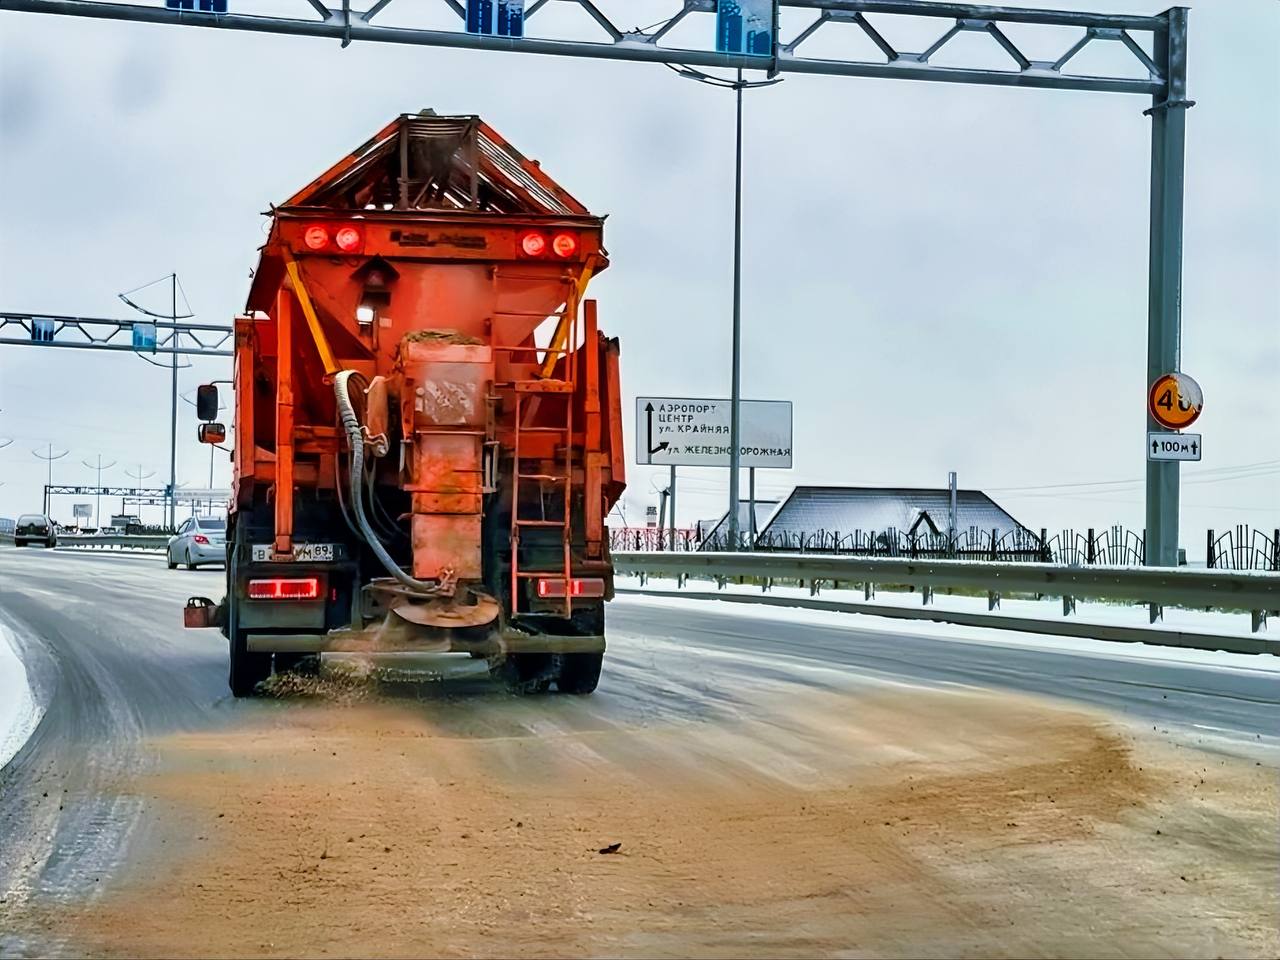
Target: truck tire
(247, 669)
(525, 673)
(579, 672)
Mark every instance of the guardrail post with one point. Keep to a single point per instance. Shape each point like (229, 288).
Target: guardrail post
(815, 587)
(868, 591)
(1068, 605)
(926, 595)
(1155, 611)
(1258, 619)
(993, 601)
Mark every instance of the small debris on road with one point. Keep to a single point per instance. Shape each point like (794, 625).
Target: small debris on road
(611, 848)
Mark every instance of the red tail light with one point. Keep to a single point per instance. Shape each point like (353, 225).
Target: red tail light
(200, 538)
(284, 588)
(316, 237)
(564, 244)
(348, 239)
(577, 587)
(533, 244)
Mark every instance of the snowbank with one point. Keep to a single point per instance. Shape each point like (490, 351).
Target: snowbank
(19, 712)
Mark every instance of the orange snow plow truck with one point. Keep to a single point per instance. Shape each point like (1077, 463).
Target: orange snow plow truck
(428, 420)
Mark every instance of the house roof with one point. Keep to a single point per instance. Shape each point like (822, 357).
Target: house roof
(425, 162)
(844, 510)
(710, 529)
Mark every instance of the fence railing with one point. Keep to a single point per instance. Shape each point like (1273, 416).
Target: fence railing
(1225, 590)
(1241, 548)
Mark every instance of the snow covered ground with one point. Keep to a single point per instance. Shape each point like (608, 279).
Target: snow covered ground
(1188, 621)
(19, 712)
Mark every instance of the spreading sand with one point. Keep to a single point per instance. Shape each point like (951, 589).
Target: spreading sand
(883, 823)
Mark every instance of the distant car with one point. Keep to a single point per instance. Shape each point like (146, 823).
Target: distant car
(198, 540)
(35, 528)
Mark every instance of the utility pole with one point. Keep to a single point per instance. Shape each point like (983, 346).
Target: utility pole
(49, 456)
(97, 503)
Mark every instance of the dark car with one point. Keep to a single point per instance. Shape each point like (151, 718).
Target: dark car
(35, 528)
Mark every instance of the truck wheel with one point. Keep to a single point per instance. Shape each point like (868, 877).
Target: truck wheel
(247, 669)
(525, 672)
(579, 672)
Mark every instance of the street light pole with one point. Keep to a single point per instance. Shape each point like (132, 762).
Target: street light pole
(97, 507)
(49, 456)
(173, 406)
(735, 394)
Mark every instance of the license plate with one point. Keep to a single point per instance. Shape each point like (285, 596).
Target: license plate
(302, 552)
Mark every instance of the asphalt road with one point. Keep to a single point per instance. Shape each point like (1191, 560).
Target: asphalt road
(112, 666)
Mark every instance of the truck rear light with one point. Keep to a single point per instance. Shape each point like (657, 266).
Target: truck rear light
(533, 244)
(316, 237)
(577, 587)
(349, 239)
(285, 588)
(200, 538)
(564, 245)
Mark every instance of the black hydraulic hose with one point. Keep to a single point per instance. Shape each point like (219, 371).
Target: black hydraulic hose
(355, 435)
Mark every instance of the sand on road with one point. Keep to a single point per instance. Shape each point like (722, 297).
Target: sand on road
(859, 823)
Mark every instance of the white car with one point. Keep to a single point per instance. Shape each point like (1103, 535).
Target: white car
(198, 540)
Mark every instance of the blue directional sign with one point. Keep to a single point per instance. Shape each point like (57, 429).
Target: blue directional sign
(202, 6)
(144, 335)
(498, 18)
(42, 329)
(745, 26)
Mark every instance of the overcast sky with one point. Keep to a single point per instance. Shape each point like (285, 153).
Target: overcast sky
(939, 276)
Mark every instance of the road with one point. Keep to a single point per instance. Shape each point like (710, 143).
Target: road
(778, 787)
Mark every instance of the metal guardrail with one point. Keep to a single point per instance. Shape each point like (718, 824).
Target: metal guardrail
(1257, 593)
(118, 541)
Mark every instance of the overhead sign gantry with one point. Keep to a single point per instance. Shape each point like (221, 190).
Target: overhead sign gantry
(1157, 57)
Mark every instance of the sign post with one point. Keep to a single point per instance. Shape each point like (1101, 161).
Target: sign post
(1174, 402)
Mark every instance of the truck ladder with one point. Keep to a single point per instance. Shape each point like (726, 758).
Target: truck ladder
(550, 393)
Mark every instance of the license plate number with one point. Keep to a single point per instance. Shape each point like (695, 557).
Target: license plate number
(302, 552)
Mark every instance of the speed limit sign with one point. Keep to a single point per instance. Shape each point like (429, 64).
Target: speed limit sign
(1175, 401)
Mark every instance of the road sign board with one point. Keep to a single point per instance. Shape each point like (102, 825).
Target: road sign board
(693, 432)
(1174, 446)
(745, 26)
(144, 335)
(42, 329)
(1175, 401)
(82, 510)
(501, 18)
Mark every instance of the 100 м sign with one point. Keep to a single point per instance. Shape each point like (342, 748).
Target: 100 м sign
(694, 432)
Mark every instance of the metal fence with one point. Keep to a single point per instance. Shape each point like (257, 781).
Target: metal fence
(1241, 548)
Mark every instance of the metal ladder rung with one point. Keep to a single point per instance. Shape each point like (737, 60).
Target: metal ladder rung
(543, 476)
(540, 523)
